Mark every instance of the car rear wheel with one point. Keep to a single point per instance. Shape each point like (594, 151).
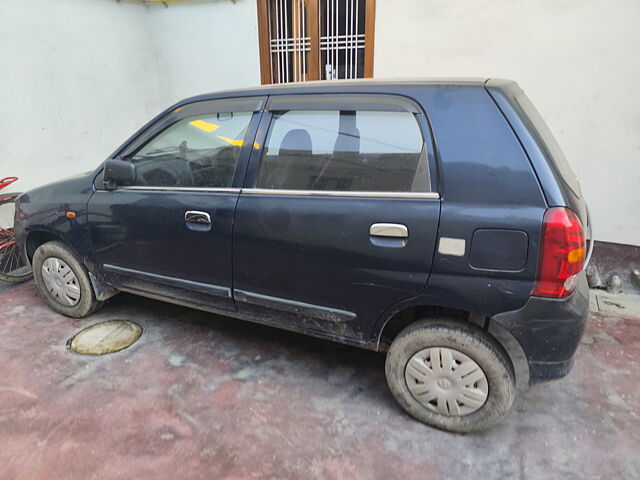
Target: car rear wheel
(63, 280)
(450, 375)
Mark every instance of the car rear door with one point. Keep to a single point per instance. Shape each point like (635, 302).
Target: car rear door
(169, 234)
(338, 218)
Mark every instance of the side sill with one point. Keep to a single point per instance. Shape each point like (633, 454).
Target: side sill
(215, 290)
(253, 319)
(291, 306)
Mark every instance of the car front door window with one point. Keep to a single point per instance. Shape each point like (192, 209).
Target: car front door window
(199, 151)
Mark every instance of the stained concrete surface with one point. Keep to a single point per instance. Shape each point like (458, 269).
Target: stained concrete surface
(201, 396)
(616, 304)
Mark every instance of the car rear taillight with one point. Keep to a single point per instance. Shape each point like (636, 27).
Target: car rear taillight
(562, 254)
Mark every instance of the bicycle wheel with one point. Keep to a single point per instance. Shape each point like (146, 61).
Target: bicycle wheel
(13, 267)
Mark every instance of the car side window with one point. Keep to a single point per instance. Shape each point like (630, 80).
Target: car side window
(197, 151)
(364, 151)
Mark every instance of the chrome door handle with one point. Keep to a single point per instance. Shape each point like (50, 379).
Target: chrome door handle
(396, 230)
(195, 216)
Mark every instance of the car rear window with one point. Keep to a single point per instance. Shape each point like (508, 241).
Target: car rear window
(339, 150)
(552, 145)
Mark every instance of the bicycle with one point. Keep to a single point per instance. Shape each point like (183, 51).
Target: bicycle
(13, 267)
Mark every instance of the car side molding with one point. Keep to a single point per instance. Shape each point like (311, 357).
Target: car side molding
(306, 309)
(214, 290)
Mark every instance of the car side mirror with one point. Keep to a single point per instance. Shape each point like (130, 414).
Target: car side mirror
(118, 173)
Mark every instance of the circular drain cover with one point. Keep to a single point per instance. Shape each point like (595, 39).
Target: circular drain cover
(106, 337)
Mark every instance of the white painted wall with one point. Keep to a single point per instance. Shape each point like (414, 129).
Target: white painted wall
(205, 46)
(577, 60)
(77, 77)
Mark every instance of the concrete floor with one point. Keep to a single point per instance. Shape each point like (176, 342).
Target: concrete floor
(200, 396)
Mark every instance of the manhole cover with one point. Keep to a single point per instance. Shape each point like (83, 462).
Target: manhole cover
(106, 337)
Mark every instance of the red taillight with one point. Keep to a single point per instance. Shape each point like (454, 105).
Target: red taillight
(562, 252)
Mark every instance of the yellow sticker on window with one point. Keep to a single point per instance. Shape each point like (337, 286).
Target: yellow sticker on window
(204, 126)
(237, 143)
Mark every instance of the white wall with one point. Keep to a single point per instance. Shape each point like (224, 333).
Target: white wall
(204, 46)
(76, 79)
(577, 60)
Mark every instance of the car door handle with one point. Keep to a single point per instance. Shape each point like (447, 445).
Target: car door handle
(197, 217)
(395, 230)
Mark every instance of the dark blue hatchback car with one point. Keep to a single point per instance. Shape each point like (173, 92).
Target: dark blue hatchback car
(436, 220)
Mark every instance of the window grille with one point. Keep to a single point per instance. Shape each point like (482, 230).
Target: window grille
(342, 38)
(304, 40)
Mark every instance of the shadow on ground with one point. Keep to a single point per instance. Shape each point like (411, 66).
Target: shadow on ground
(203, 396)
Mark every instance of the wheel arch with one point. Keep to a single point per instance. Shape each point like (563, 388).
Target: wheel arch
(405, 315)
(36, 238)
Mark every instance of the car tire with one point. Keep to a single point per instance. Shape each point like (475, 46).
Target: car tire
(63, 280)
(421, 373)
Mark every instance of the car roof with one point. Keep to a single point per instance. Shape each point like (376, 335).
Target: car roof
(335, 86)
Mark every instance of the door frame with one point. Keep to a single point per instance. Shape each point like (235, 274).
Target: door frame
(343, 100)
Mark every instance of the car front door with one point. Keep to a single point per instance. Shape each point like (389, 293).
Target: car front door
(169, 234)
(338, 218)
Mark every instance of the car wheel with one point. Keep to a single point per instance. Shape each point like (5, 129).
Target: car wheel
(450, 375)
(63, 280)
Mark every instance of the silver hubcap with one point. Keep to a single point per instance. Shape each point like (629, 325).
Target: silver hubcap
(60, 281)
(446, 381)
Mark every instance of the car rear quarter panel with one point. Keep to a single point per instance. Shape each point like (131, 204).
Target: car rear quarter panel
(486, 182)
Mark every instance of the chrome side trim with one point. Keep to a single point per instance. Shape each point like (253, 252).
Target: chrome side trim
(292, 306)
(334, 193)
(214, 290)
(269, 191)
(181, 189)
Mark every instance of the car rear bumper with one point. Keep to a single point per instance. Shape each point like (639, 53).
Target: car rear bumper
(549, 331)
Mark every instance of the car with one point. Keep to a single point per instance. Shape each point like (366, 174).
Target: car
(435, 220)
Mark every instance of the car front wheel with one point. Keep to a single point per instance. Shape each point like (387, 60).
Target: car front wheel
(63, 280)
(450, 375)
